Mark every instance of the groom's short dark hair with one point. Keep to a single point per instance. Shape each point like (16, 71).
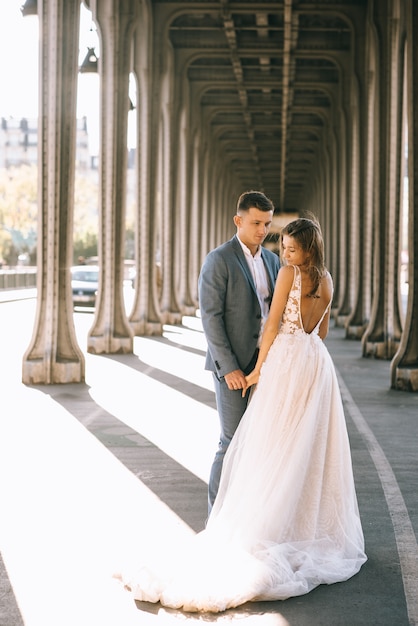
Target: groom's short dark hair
(254, 199)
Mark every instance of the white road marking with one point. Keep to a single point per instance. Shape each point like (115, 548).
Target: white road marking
(404, 533)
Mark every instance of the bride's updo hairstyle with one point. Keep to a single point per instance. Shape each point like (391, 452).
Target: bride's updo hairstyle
(307, 233)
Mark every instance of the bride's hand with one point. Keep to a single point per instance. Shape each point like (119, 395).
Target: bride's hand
(251, 379)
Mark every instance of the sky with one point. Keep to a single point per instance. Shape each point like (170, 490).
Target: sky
(18, 61)
(19, 53)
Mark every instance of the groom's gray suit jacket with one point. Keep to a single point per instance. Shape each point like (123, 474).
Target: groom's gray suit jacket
(230, 310)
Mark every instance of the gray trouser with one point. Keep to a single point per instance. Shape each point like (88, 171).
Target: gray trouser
(231, 407)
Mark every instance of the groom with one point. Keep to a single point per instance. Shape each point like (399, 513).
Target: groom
(236, 285)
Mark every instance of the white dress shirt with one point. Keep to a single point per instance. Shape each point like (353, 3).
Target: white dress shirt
(259, 274)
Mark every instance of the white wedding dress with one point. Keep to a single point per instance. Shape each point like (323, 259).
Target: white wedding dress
(286, 517)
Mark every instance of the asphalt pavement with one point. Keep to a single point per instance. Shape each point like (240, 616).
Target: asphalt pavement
(93, 474)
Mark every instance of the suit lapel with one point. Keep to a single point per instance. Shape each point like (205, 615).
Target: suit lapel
(243, 261)
(268, 267)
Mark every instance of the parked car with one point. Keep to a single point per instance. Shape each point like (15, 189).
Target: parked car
(84, 284)
(132, 275)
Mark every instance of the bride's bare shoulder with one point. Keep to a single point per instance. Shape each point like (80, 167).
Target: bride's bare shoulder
(327, 284)
(286, 272)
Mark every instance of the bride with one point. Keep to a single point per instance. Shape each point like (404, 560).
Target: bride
(286, 518)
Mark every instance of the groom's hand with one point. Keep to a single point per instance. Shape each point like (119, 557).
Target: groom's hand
(235, 380)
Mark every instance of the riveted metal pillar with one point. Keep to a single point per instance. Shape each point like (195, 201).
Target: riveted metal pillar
(111, 332)
(357, 320)
(184, 259)
(195, 224)
(53, 355)
(145, 318)
(341, 278)
(368, 157)
(205, 210)
(383, 332)
(404, 366)
(170, 313)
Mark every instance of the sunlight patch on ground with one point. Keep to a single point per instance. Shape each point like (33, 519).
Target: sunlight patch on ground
(183, 363)
(72, 514)
(182, 427)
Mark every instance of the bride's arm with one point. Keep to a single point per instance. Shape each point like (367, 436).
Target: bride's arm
(328, 289)
(271, 328)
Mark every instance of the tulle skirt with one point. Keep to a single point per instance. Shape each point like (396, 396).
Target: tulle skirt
(286, 517)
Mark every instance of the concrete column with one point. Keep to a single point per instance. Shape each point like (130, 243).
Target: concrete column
(404, 365)
(53, 355)
(111, 332)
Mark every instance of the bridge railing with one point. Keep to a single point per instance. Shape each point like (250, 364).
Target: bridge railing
(18, 278)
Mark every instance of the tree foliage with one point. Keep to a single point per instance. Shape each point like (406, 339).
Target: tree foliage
(85, 216)
(19, 215)
(18, 212)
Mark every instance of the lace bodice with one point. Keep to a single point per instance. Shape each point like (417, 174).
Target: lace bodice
(292, 319)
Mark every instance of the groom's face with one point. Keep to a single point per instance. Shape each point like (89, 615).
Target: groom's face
(253, 227)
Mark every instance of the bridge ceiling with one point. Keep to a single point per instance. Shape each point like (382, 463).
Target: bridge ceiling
(271, 76)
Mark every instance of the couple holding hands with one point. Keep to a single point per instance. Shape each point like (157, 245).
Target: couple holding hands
(283, 513)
